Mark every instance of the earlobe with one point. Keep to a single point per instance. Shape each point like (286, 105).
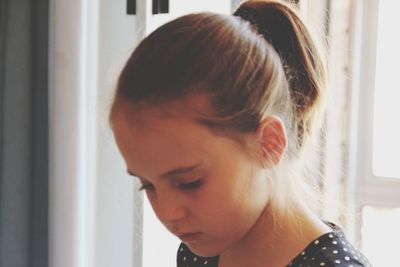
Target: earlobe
(272, 136)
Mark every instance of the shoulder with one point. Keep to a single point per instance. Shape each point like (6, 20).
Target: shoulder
(331, 249)
(186, 258)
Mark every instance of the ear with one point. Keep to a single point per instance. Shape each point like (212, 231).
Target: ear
(272, 138)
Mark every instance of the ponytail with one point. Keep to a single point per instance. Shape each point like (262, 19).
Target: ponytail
(304, 69)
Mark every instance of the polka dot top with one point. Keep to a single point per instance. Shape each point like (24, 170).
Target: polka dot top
(329, 250)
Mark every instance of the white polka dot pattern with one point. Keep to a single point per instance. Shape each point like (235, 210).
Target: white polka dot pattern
(329, 250)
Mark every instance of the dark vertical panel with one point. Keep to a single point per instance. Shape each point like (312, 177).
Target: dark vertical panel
(39, 138)
(131, 7)
(160, 6)
(23, 133)
(164, 6)
(3, 27)
(15, 187)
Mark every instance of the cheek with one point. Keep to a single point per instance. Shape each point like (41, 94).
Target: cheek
(234, 196)
(234, 208)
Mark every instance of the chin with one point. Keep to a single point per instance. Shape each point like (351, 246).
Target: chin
(204, 250)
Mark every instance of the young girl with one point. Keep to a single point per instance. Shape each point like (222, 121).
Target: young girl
(212, 114)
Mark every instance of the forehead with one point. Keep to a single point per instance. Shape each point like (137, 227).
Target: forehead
(155, 116)
(153, 139)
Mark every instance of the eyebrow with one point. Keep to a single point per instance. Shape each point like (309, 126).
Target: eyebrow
(177, 171)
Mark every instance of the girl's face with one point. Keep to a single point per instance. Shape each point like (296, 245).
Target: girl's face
(203, 187)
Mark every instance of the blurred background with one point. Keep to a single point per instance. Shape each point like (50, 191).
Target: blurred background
(65, 198)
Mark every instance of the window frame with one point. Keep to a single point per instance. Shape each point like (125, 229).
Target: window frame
(364, 187)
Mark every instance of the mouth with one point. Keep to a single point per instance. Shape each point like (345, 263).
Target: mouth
(189, 237)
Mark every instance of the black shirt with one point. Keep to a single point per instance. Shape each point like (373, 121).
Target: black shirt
(330, 250)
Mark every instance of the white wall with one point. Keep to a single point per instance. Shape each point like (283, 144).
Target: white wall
(118, 204)
(72, 123)
(95, 210)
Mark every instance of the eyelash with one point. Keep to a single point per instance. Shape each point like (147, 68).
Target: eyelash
(190, 186)
(184, 186)
(146, 187)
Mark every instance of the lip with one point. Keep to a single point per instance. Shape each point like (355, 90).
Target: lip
(189, 237)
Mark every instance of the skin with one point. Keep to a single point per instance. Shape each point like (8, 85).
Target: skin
(224, 197)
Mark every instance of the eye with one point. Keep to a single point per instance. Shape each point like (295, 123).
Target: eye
(146, 187)
(190, 186)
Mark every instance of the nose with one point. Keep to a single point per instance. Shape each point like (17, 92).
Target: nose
(169, 208)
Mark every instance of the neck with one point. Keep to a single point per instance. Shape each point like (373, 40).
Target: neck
(274, 242)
